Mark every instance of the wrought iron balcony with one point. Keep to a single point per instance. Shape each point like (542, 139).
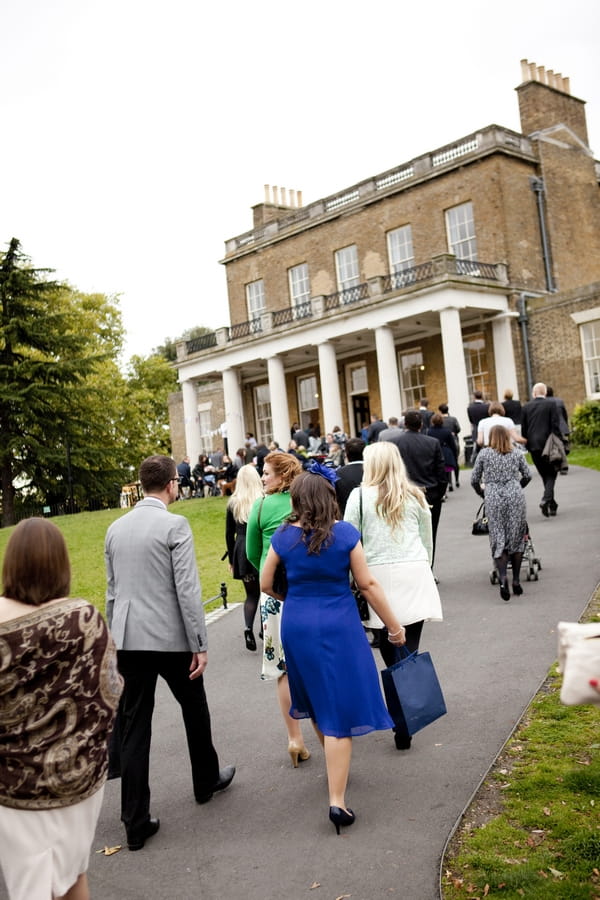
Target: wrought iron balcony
(245, 329)
(347, 296)
(203, 342)
(292, 314)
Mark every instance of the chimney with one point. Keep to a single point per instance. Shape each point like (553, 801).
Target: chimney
(275, 204)
(545, 101)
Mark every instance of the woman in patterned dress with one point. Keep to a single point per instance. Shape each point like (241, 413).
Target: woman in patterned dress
(59, 690)
(500, 474)
(266, 516)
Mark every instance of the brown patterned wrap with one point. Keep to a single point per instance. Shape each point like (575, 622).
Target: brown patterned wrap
(59, 691)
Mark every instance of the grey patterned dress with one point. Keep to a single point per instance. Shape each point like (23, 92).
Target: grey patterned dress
(501, 474)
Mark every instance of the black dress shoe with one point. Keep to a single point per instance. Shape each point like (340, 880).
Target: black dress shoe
(137, 842)
(545, 509)
(225, 779)
(402, 741)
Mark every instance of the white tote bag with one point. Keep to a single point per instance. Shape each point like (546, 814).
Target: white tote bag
(579, 661)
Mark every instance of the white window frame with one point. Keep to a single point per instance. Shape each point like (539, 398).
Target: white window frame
(589, 334)
(255, 298)
(299, 283)
(262, 413)
(476, 362)
(460, 228)
(400, 249)
(353, 389)
(307, 389)
(347, 269)
(411, 393)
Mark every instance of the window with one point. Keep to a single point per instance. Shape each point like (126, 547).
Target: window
(461, 231)
(357, 378)
(299, 284)
(476, 363)
(590, 342)
(308, 400)
(346, 267)
(400, 249)
(412, 378)
(262, 413)
(205, 425)
(255, 298)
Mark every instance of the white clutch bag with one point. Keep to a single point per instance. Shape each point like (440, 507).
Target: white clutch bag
(579, 661)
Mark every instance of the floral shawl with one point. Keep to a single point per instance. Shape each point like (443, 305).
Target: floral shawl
(59, 690)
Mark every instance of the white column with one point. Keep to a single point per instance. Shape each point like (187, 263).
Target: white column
(504, 354)
(387, 370)
(190, 420)
(234, 411)
(280, 416)
(331, 403)
(455, 368)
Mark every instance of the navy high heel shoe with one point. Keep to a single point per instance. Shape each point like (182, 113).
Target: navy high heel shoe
(341, 817)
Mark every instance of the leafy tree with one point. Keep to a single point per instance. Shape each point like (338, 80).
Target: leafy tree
(149, 382)
(53, 342)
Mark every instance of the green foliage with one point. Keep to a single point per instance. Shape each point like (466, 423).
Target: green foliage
(585, 423)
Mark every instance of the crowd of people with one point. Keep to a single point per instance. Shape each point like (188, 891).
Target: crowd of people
(305, 529)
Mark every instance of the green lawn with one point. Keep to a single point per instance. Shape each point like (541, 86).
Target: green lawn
(84, 534)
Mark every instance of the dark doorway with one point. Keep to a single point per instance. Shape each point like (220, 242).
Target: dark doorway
(361, 412)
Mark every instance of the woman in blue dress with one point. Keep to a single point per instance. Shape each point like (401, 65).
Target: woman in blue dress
(332, 674)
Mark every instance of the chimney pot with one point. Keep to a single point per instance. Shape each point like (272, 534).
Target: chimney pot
(284, 196)
(267, 193)
(275, 191)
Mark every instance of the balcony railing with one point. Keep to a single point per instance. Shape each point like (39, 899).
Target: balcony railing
(292, 314)
(245, 329)
(203, 342)
(347, 296)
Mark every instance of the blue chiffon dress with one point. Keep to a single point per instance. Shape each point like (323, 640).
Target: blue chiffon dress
(332, 674)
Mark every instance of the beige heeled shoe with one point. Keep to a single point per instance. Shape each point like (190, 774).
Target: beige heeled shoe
(297, 753)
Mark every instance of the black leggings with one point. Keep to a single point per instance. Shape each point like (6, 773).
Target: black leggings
(252, 588)
(413, 637)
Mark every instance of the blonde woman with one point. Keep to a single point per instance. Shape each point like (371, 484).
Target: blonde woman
(266, 516)
(394, 520)
(248, 488)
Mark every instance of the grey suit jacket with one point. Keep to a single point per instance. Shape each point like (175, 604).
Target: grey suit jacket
(153, 597)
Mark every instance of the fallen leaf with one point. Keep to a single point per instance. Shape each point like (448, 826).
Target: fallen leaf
(108, 851)
(556, 873)
(542, 873)
(314, 885)
(486, 890)
(547, 811)
(343, 896)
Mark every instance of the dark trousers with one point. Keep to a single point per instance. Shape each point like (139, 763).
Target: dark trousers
(548, 474)
(436, 510)
(140, 670)
(388, 652)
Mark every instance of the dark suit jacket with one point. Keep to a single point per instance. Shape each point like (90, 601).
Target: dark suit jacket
(513, 409)
(350, 476)
(477, 411)
(539, 419)
(424, 462)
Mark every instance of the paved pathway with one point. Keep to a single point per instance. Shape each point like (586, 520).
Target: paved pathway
(268, 836)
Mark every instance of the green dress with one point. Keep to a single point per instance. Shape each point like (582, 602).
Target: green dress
(266, 516)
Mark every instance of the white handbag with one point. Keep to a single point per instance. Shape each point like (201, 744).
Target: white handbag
(579, 661)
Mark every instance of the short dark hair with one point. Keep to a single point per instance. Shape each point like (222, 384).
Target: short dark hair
(496, 408)
(156, 472)
(354, 449)
(413, 420)
(392, 420)
(478, 395)
(443, 408)
(36, 565)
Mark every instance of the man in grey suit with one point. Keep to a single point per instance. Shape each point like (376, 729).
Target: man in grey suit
(155, 613)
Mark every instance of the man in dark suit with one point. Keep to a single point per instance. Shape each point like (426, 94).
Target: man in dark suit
(476, 411)
(424, 463)
(512, 408)
(350, 475)
(375, 427)
(540, 419)
(155, 613)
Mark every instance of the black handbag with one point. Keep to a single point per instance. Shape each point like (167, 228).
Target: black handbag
(480, 525)
(361, 602)
(412, 691)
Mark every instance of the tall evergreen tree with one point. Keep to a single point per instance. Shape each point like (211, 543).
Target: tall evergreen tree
(52, 341)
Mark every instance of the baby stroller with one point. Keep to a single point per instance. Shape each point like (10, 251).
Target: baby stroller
(532, 565)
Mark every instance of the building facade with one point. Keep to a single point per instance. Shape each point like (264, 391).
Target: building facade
(475, 266)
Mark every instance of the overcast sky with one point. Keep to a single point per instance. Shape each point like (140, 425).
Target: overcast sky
(135, 136)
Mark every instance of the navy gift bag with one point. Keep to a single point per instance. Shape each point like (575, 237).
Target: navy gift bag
(412, 691)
